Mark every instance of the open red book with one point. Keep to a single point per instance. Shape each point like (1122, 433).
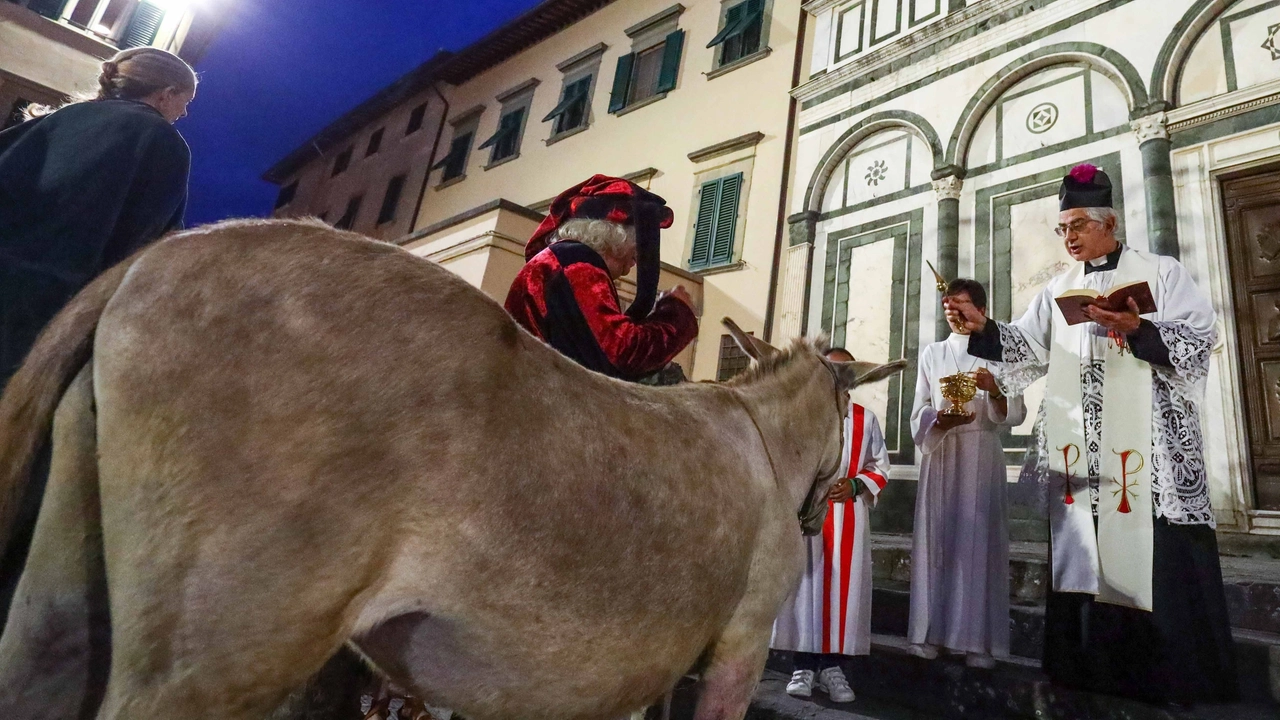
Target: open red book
(1073, 302)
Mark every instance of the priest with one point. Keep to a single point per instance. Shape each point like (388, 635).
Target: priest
(1137, 607)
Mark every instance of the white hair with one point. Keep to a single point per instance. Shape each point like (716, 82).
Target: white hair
(606, 238)
(1101, 214)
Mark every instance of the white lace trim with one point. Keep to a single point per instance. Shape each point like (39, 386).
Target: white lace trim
(1180, 490)
(1020, 365)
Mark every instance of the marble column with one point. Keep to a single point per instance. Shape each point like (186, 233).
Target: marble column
(947, 189)
(1157, 178)
(796, 278)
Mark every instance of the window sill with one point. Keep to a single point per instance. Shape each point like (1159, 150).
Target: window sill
(451, 182)
(503, 161)
(740, 62)
(717, 269)
(643, 103)
(566, 134)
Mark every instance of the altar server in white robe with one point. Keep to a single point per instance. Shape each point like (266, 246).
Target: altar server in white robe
(829, 615)
(960, 540)
(1137, 606)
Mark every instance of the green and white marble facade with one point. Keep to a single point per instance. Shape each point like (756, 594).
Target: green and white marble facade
(990, 102)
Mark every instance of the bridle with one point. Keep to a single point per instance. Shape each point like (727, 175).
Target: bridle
(807, 511)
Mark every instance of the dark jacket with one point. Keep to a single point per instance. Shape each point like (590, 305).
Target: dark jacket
(84, 187)
(565, 296)
(80, 190)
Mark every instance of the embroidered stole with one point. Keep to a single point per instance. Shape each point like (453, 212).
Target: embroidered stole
(1111, 560)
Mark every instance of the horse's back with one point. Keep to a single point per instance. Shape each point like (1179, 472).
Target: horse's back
(334, 433)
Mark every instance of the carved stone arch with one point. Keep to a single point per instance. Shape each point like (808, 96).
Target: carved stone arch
(1097, 57)
(1178, 46)
(865, 128)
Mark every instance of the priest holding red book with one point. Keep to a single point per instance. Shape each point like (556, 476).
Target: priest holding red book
(1137, 607)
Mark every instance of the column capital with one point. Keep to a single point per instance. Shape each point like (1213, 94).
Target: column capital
(1151, 127)
(801, 227)
(948, 188)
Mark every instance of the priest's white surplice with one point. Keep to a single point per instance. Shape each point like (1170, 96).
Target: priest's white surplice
(1178, 488)
(960, 542)
(830, 612)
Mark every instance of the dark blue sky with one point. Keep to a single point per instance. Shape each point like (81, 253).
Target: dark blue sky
(280, 71)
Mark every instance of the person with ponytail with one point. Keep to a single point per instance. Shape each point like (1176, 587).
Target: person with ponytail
(83, 187)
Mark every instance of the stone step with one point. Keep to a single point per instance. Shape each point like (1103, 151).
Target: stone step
(1257, 653)
(945, 688)
(1252, 584)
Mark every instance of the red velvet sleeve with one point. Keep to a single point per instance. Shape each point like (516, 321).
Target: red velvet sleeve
(634, 348)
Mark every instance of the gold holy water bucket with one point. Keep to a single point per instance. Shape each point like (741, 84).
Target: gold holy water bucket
(958, 389)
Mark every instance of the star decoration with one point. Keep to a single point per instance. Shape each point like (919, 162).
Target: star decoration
(877, 172)
(1272, 45)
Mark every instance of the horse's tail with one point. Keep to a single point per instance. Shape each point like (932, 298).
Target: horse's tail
(28, 403)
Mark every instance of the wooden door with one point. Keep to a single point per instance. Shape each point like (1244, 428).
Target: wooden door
(1252, 205)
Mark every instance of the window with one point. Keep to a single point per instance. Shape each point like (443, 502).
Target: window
(415, 119)
(505, 143)
(16, 113)
(375, 142)
(51, 9)
(391, 200)
(455, 163)
(732, 359)
(646, 73)
(144, 24)
(571, 113)
(349, 217)
(342, 162)
(717, 222)
(287, 194)
(740, 36)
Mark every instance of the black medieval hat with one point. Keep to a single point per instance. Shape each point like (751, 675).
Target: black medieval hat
(1085, 186)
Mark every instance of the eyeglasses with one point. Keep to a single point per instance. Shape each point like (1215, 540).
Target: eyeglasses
(1076, 226)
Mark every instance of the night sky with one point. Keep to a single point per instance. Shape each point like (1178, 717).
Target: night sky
(281, 71)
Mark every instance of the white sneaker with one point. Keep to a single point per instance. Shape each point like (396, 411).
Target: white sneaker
(980, 660)
(928, 652)
(833, 683)
(801, 684)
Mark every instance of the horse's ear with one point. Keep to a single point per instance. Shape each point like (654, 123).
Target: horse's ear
(853, 374)
(755, 348)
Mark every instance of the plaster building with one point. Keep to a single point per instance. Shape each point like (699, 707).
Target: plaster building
(50, 49)
(366, 170)
(939, 130)
(689, 100)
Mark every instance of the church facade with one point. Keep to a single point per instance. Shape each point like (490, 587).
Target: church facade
(939, 130)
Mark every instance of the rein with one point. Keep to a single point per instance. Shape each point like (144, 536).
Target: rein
(813, 487)
(760, 433)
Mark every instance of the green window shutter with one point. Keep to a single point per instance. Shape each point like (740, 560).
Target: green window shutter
(732, 16)
(726, 219)
(704, 228)
(454, 164)
(671, 61)
(621, 82)
(51, 9)
(453, 150)
(143, 26)
(573, 92)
